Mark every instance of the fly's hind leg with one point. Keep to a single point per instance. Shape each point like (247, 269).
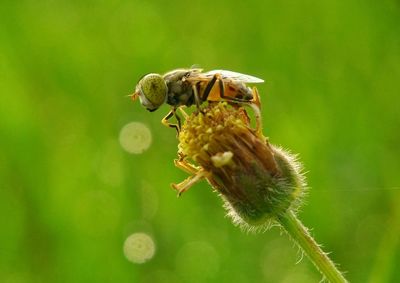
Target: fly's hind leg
(228, 98)
(198, 174)
(256, 97)
(256, 106)
(168, 116)
(255, 103)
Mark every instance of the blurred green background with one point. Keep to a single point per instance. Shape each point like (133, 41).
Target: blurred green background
(70, 195)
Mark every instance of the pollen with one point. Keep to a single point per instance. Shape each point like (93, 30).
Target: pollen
(222, 159)
(200, 128)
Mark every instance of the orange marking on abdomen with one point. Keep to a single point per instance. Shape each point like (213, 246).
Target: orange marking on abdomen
(215, 94)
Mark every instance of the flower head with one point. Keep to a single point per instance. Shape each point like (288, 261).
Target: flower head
(257, 180)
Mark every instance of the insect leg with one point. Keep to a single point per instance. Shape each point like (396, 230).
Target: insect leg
(197, 174)
(196, 96)
(256, 97)
(178, 119)
(190, 181)
(167, 117)
(186, 166)
(256, 105)
(185, 115)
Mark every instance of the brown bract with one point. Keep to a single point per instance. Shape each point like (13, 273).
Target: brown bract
(257, 181)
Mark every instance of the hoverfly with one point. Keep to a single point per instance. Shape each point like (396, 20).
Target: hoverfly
(186, 87)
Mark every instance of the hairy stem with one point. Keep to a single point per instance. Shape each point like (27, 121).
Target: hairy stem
(300, 235)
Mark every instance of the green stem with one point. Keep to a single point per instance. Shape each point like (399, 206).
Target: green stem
(300, 235)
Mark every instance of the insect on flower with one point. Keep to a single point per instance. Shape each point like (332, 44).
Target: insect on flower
(260, 184)
(186, 87)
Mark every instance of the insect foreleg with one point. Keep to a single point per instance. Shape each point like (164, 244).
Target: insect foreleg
(168, 116)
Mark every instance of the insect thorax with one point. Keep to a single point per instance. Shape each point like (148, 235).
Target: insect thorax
(180, 91)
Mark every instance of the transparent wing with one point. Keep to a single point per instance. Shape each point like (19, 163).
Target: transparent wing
(238, 77)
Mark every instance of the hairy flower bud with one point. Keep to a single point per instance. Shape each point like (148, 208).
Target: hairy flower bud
(257, 180)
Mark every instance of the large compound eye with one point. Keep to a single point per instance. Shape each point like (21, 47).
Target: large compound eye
(154, 89)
